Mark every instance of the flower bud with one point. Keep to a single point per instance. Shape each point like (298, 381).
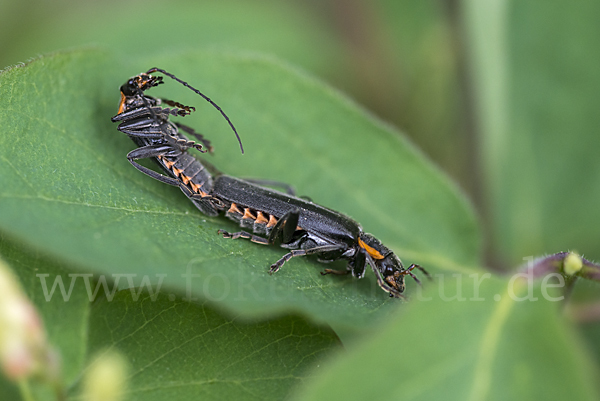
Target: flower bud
(106, 380)
(572, 263)
(23, 345)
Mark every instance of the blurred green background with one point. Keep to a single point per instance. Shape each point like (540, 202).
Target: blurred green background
(502, 95)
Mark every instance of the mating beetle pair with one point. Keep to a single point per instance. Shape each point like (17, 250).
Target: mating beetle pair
(297, 224)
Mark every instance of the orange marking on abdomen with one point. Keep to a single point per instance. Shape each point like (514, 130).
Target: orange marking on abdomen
(168, 163)
(261, 219)
(195, 187)
(272, 221)
(186, 179)
(234, 209)
(248, 214)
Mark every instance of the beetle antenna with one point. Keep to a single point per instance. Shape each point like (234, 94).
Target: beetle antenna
(151, 70)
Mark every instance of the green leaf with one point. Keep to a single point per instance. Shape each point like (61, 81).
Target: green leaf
(179, 350)
(537, 89)
(176, 349)
(494, 343)
(68, 189)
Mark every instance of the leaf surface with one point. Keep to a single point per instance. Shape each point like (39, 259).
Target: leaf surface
(175, 349)
(68, 189)
(457, 343)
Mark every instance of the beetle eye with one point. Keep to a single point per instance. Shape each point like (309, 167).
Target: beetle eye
(128, 89)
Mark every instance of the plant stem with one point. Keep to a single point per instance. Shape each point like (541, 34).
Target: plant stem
(25, 390)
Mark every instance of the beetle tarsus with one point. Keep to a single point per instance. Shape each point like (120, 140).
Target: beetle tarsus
(243, 234)
(336, 272)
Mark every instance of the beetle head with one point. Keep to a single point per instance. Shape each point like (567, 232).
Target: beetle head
(389, 268)
(132, 91)
(393, 273)
(140, 83)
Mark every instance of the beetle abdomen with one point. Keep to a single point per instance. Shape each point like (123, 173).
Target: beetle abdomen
(257, 221)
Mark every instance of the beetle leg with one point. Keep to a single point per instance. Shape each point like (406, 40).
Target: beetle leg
(380, 281)
(301, 252)
(358, 264)
(148, 151)
(160, 129)
(410, 273)
(243, 234)
(142, 128)
(143, 134)
(199, 137)
(152, 151)
(137, 113)
(207, 204)
(337, 272)
(425, 272)
(182, 110)
(285, 228)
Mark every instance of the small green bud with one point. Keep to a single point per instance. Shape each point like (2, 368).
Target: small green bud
(572, 264)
